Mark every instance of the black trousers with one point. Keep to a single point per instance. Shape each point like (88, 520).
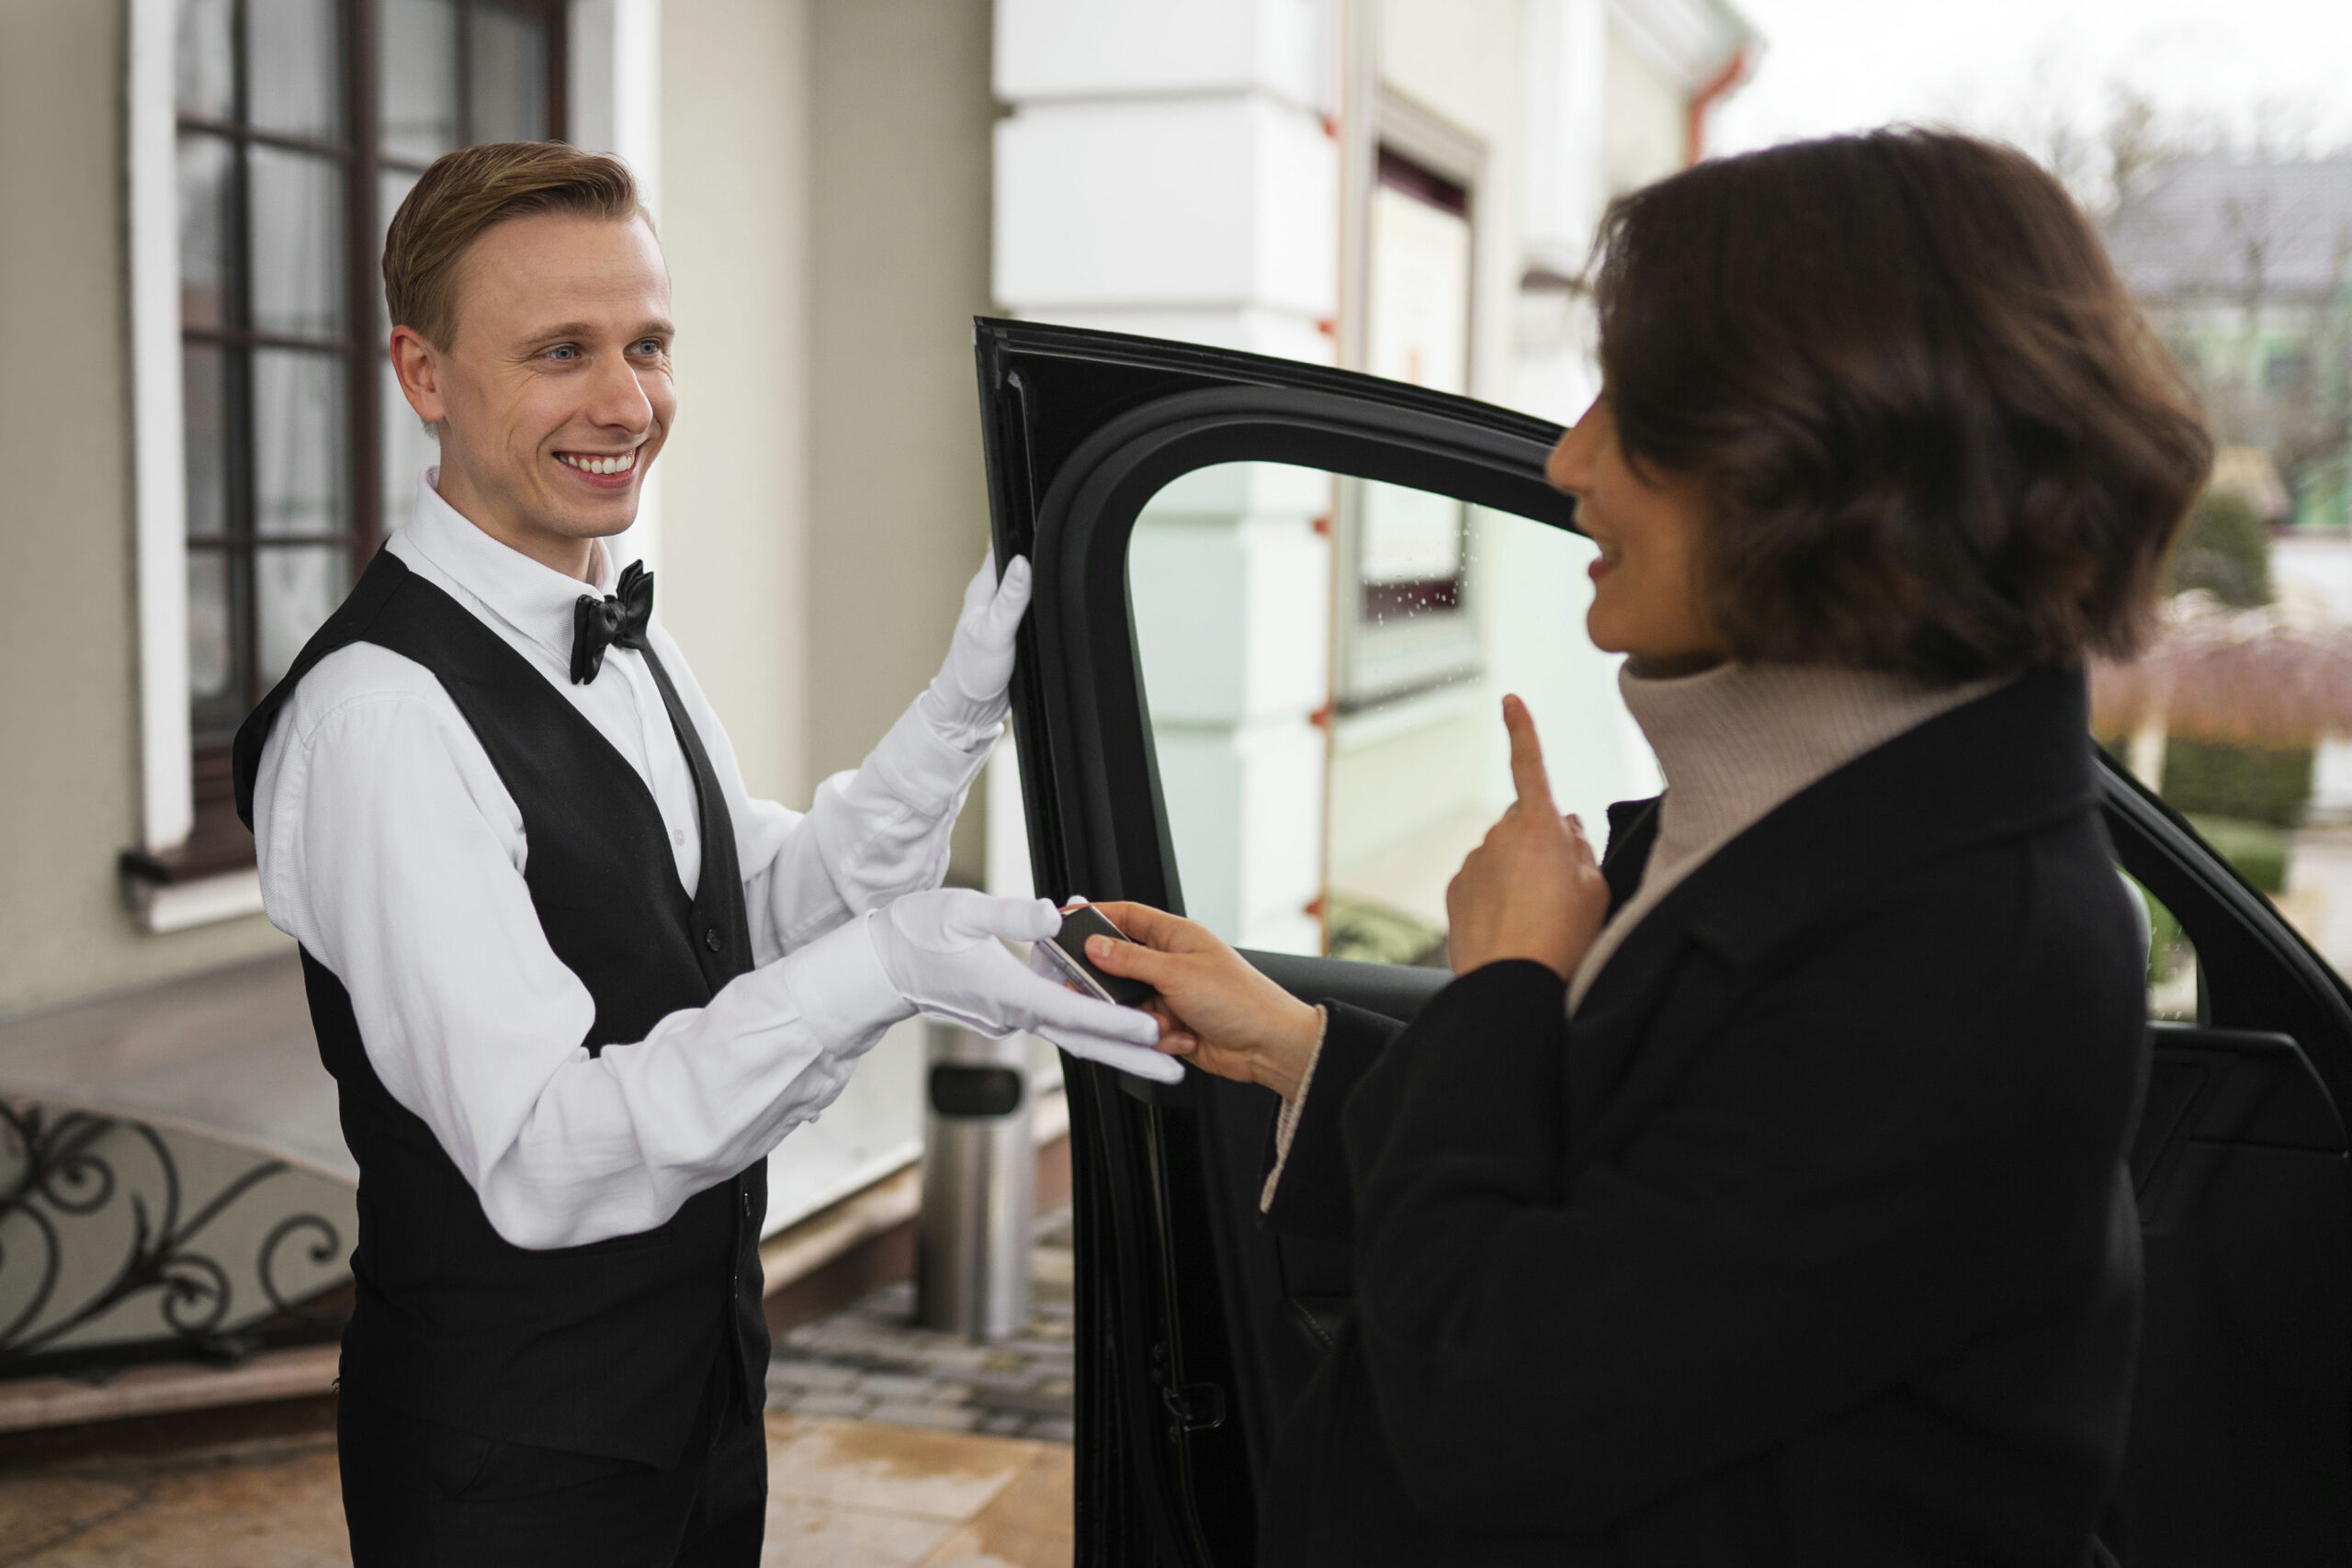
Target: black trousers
(419, 1494)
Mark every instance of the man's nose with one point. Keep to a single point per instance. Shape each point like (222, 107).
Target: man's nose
(618, 397)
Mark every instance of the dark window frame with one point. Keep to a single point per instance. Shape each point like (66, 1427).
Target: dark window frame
(217, 842)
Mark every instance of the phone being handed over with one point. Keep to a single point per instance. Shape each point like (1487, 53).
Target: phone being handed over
(1063, 958)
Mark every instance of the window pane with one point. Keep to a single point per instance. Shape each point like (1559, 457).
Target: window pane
(300, 435)
(510, 77)
(417, 78)
(205, 230)
(294, 67)
(408, 450)
(2172, 962)
(392, 186)
(297, 242)
(205, 397)
(215, 695)
(205, 74)
(1363, 819)
(298, 586)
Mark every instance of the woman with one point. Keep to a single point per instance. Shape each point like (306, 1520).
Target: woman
(1757, 1194)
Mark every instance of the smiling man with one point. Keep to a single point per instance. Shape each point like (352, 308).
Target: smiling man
(572, 982)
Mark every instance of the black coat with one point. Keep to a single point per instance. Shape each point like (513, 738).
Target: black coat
(1809, 1240)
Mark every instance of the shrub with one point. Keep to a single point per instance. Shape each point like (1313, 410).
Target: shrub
(2257, 783)
(2225, 550)
(2257, 849)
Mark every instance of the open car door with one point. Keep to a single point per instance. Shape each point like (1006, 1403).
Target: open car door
(1151, 483)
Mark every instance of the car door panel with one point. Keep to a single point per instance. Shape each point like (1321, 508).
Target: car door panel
(1197, 1328)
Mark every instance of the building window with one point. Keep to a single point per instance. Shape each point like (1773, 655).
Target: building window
(1406, 624)
(301, 124)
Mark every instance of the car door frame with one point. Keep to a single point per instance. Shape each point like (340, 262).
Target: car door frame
(1082, 429)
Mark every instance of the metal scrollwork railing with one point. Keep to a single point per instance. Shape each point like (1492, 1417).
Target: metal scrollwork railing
(95, 1215)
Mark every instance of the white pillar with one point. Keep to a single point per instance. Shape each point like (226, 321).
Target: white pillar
(1174, 171)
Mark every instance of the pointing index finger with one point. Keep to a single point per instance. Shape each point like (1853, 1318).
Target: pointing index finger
(1527, 758)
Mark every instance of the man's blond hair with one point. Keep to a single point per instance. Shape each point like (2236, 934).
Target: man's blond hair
(465, 192)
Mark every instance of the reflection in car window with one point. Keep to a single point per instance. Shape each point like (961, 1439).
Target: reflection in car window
(1324, 781)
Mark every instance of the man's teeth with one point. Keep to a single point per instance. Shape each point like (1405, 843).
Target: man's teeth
(620, 464)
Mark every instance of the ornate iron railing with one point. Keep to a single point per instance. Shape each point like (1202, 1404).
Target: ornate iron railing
(97, 1217)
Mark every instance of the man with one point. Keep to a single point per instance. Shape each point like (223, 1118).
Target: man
(572, 983)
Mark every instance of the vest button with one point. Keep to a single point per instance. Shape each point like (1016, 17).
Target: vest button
(710, 939)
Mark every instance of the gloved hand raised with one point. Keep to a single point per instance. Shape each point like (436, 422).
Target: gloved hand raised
(942, 950)
(968, 695)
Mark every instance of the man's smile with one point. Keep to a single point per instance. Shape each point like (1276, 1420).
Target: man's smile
(606, 469)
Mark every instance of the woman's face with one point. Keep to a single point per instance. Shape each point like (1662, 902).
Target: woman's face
(1645, 600)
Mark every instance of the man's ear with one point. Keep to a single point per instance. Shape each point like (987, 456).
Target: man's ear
(418, 365)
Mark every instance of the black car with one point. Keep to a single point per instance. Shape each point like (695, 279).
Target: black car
(1195, 1329)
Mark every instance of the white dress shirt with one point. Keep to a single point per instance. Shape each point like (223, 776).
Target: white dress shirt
(391, 850)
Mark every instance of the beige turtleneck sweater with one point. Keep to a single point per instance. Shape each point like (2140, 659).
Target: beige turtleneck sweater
(1736, 740)
(1732, 742)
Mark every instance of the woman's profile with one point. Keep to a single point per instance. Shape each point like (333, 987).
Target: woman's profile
(1757, 1192)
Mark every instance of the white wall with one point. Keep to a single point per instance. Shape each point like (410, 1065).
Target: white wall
(1169, 170)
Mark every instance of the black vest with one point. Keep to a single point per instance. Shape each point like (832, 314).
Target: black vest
(605, 1348)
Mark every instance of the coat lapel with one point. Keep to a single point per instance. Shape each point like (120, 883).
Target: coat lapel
(2007, 764)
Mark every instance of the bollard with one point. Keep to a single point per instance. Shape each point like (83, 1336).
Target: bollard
(979, 1182)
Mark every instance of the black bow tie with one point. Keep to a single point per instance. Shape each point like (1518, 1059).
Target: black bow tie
(619, 617)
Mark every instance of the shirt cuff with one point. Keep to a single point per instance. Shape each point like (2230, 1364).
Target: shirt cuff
(1286, 1126)
(843, 992)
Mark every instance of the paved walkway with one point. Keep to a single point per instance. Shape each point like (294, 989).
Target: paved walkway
(842, 1495)
(869, 1362)
(888, 1446)
(2319, 892)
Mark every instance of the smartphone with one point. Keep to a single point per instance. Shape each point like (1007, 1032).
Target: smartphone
(1064, 958)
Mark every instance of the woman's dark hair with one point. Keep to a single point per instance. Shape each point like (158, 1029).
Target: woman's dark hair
(1934, 433)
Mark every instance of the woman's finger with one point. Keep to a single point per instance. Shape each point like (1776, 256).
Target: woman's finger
(1527, 758)
(1133, 960)
(1152, 928)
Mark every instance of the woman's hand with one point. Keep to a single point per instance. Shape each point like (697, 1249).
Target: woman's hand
(1215, 1010)
(1532, 889)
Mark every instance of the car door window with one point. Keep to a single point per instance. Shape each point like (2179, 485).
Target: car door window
(1303, 821)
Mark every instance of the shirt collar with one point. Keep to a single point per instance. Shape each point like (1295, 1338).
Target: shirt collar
(535, 599)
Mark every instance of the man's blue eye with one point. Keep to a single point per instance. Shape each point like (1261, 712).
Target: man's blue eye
(566, 352)
(649, 346)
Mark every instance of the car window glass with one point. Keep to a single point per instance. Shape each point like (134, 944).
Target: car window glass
(1324, 659)
(2172, 962)
(2236, 712)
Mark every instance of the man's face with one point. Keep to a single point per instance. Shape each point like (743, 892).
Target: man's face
(554, 393)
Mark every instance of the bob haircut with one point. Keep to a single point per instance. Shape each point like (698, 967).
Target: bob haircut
(1932, 432)
(468, 191)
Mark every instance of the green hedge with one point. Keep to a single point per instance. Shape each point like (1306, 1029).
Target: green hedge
(2254, 783)
(2257, 849)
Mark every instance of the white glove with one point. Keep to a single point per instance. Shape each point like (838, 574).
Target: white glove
(968, 695)
(943, 952)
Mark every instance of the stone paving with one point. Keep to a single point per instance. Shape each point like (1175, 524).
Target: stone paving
(869, 1362)
(888, 1446)
(841, 1495)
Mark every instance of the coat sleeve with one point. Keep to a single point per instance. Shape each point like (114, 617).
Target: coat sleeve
(1316, 1199)
(1904, 1135)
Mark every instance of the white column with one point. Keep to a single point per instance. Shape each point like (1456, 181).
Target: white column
(159, 479)
(1174, 171)
(614, 85)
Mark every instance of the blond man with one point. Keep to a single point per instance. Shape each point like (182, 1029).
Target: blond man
(573, 983)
